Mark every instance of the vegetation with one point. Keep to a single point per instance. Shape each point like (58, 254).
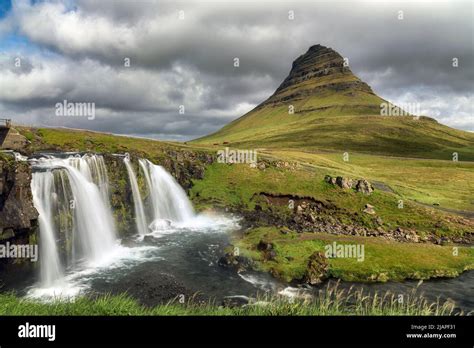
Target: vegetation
(381, 135)
(446, 183)
(329, 301)
(236, 186)
(383, 260)
(51, 139)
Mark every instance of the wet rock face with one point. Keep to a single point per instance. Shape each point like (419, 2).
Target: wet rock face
(186, 165)
(18, 216)
(237, 262)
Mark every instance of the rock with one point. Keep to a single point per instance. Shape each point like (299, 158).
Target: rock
(344, 183)
(363, 186)
(330, 180)
(17, 212)
(369, 209)
(317, 268)
(235, 301)
(270, 255)
(230, 260)
(261, 166)
(285, 230)
(264, 246)
(299, 210)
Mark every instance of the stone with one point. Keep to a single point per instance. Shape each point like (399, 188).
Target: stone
(330, 180)
(264, 246)
(344, 183)
(369, 209)
(317, 268)
(363, 186)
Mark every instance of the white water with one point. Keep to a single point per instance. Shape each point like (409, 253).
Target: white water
(140, 218)
(78, 186)
(168, 200)
(43, 192)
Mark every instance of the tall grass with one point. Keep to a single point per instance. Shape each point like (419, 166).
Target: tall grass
(330, 300)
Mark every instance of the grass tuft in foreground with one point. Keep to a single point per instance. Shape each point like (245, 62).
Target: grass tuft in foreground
(328, 301)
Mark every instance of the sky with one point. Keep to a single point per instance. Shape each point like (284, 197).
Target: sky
(165, 69)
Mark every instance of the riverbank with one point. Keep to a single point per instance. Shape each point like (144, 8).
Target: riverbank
(330, 301)
(286, 254)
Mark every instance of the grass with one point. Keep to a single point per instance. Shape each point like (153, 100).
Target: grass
(273, 127)
(235, 186)
(328, 301)
(448, 183)
(428, 181)
(82, 140)
(383, 260)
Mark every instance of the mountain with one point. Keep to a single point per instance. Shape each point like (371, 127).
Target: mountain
(322, 105)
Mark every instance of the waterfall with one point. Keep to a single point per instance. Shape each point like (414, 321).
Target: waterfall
(168, 199)
(81, 185)
(140, 219)
(43, 192)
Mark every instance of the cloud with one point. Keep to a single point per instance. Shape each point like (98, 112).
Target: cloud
(76, 50)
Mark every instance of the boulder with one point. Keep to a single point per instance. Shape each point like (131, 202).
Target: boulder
(317, 268)
(369, 209)
(344, 183)
(364, 187)
(264, 246)
(330, 180)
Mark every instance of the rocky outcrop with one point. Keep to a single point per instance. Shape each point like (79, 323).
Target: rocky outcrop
(317, 269)
(359, 185)
(18, 216)
(319, 71)
(364, 187)
(186, 165)
(231, 259)
(306, 214)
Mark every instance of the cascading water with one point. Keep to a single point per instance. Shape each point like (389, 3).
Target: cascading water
(140, 218)
(42, 187)
(79, 183)
(168, 200)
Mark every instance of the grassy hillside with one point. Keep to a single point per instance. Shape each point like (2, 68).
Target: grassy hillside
(273, 127)
(446, 183)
